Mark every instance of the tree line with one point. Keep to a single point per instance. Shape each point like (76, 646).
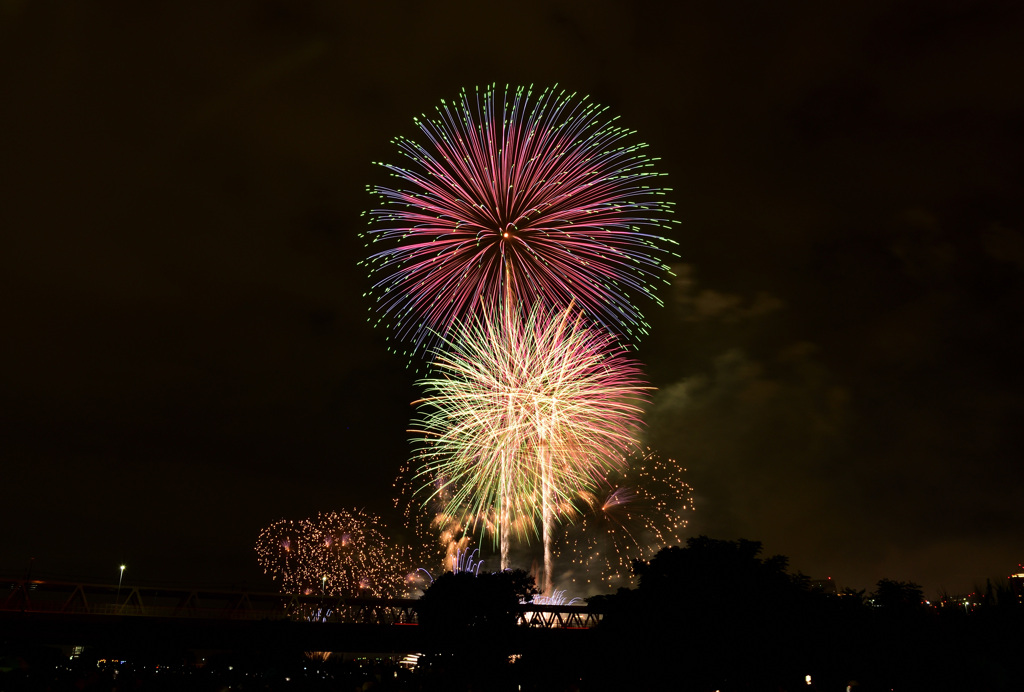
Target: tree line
(718, 615)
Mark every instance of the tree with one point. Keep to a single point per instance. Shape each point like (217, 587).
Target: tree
(736, 619)
(469, 620)
(465, 599)
(713, 573)
(898, 596)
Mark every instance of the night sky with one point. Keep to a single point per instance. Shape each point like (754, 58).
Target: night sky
(185, 355)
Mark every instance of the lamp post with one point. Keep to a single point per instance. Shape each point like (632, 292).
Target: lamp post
(119, 578)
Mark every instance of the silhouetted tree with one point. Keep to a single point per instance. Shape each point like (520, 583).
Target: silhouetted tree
(898, 596)
(469, 621)
(847, 603)
(717, 613)
(464, 599)
(712, 574)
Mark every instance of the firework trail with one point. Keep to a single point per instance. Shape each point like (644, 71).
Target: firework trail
(335, 554)
(441, 537)
(444, 531)
(537, 197)
(557, 598)
(522, 415)
(463, 561)
(641, 508)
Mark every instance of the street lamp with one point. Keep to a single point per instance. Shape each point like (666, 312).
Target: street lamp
(118, 597)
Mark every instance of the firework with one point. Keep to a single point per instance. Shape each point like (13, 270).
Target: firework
(524, 413)
(468, 561)
(441, 537)
(339, 554)
(640, 509)
(537, 197)
(463, 561)
(557, 598)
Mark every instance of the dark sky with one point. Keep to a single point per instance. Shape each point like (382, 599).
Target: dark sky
(185, 355)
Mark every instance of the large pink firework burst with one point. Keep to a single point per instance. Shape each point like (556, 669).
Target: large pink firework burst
(537, 198)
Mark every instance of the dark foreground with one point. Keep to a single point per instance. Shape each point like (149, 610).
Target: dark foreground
(713, 616)
(897, 655)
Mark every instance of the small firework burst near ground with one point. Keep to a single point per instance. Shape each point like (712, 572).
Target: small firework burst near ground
(540, 198)
(525, 412)
(639, 509)
(341, 554)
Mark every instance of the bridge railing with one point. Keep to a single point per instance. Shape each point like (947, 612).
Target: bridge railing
(39, 596)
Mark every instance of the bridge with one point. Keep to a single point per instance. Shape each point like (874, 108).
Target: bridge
(75, 614)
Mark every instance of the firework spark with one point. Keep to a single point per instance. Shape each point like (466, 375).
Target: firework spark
(557, 598)
(537, 196)
(524, 413)
(336, 554)
(642, 508)
(441, 537)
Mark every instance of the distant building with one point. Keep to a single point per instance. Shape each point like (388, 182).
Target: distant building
(1017, 582)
